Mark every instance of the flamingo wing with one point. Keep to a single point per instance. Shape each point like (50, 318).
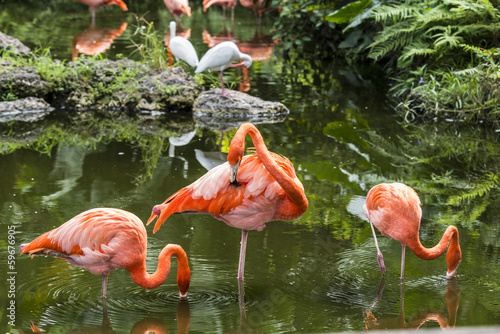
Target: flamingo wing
(395, 210)
(91, 239)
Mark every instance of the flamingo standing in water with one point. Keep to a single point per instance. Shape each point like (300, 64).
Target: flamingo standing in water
(181, 48)
(93, 4)
(245, 192)
(395, 211)
(178, 7)
(104, 239)
(221, 57)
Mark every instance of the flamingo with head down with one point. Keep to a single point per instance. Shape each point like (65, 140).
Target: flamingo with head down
(104, 239)
(394, 209)
(246, 192)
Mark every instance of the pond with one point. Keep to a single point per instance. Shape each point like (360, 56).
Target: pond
(315, 274)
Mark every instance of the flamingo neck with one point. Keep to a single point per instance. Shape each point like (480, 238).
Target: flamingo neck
(151, 281)
(237, 147)
(454, 255)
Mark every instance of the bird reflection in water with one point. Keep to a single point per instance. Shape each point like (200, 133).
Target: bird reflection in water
(259, 48)
(244, 326)
(95, 40)
(146, 325)
(452, 300)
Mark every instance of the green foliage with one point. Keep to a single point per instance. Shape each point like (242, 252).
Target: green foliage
(470, 94)
(348, 12)
(150, 44)
(302, 27)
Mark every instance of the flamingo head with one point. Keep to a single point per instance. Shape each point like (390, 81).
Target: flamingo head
(183, 281)
(453, 258)
(234, 158)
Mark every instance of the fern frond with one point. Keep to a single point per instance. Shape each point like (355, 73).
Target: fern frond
(416, 49)
(483, 187)
(395, 13)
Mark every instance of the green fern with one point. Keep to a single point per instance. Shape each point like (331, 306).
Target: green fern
(490, 181)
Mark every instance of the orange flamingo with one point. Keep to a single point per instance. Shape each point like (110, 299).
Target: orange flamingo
(178, 7)
(93, 4)
(245, 192)
(104, 239)
(395, 211)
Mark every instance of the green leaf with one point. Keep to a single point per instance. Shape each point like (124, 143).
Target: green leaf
(348, 12)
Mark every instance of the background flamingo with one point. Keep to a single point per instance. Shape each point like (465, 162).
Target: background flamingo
(93, 4)
(178, 7)
(395, 211)
(221, 57)
(259, 7)
(104, 239)
(223, 3)
(245, 192)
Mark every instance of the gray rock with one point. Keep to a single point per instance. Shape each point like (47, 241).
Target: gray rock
(29, 109)
(170, 90)
(23, 82)
(213, 103)
(10, 43)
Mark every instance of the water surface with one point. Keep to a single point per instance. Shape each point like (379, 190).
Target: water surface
(317, 273)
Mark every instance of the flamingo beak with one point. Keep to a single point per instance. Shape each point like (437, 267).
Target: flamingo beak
(234, 173)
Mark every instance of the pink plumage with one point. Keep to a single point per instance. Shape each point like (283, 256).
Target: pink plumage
(266, 189)
(105, 239)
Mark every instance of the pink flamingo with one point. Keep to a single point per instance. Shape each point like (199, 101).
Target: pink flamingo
(178, 7)
(395, 211)
(246, 192)
(104, 239)
(93, 4)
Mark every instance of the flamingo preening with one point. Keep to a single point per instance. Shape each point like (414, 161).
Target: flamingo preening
(246, 192)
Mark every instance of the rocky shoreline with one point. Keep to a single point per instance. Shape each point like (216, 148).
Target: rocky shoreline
(38, 86)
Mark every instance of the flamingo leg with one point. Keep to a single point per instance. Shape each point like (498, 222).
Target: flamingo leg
(403, 261)
(243, 250)
(104, 284)
(380, 258)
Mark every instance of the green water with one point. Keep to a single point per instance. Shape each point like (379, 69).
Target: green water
(317, 274)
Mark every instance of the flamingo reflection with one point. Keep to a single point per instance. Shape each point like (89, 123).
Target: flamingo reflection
(146, 325)
(95, 40)
(452, 300)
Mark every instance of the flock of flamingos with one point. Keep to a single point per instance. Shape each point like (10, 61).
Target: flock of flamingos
(245, 192)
